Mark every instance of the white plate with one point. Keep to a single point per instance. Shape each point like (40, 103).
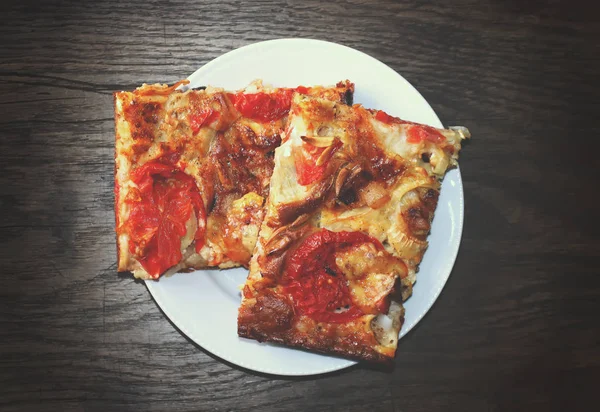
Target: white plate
(204, 304)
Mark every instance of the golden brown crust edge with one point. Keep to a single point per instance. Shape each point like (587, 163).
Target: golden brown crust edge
(271, 317)
(116, 188)
(338, 348)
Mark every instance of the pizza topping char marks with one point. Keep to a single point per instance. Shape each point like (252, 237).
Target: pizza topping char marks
(163, 204)
(376, 163)
(240, 161)
(312, 277)
(419, 211)
(142, 118)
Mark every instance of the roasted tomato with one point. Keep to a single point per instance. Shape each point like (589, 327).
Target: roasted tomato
(419, 133)
(318, 287)
(202, 117)
(415, 133)
(386, 118)
(311, 161)
(263, 107)
(162, 205)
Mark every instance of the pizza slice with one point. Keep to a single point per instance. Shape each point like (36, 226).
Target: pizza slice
(192, 170)
(352, 198)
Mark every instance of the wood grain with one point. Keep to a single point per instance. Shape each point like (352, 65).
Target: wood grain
(516, 326)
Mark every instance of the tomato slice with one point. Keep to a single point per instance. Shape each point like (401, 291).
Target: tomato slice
(314, 281)
(166, 198)
(386, 118)
(263, 107)
(302, 89)
(202, 117)
(417, 133)
(305, 161)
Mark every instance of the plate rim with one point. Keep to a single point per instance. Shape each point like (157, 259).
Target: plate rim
(453, 253)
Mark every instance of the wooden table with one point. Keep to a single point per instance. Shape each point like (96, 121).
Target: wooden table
(515, 328)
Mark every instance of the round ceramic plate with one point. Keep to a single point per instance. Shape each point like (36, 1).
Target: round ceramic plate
(204, 304)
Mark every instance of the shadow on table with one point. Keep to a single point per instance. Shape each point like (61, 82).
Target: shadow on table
(383, 368)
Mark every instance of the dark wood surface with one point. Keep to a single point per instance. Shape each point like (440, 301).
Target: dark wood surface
(516, 327)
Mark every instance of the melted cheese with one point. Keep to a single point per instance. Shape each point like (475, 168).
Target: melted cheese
(247, 209)
(385, 223)
(191, 225)
(284, 184)
(368, 282)
(386, 327)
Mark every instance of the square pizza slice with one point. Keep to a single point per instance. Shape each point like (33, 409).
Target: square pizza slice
(352, 198)
(192, 171)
